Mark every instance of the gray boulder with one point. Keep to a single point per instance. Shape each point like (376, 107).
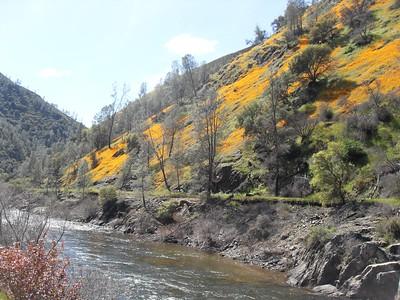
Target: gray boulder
(360, 257)
(377, 281)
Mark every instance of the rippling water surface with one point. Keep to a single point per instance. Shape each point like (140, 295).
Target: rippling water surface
(161, 271)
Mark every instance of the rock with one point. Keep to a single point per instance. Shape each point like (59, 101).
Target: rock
(394, 249)
(327, 289)
(361, 256)
(377, 281)
(321, 265)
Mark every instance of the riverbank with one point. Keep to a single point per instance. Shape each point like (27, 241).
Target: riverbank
(335, 251)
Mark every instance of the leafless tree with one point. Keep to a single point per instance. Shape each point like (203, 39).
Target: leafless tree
(189, 64)
(208, 120)
(110, 111)
(159, 146)
(22, 226)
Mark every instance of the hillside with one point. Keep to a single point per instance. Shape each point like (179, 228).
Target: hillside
(243, 80)
(27, 121)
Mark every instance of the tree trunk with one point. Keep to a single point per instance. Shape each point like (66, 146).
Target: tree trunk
(177, 178)
(164, 177)
(143, 197)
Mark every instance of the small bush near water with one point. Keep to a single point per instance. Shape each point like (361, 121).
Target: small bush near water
(319, 236)
(36, 273)
(166, 210)
(389, 229)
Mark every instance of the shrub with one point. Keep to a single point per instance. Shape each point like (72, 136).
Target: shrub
(108, 194)
(324, 31)
(395, 5)
(166, 210)
(362, 127)
(108, 200)
(326, 113)
(336, 166)
(260, 229)
(93, 160)
(133, 143)
(312, 63)
(359, 19)
(319, 236)
(308, 108)
(389, 229)
(36, 273)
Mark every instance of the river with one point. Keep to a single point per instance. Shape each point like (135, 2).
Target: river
(162, 271)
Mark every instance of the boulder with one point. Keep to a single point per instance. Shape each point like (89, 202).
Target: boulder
(377, 281)
(360, 257)
(327, 289)
(394, 249)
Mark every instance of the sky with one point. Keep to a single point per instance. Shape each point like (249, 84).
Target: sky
(71, 52)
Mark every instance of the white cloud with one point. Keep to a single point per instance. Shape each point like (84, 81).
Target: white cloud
(54, 73)
(186, 43)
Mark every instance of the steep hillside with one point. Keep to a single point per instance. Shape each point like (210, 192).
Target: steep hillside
(27, 121)
(245, 78)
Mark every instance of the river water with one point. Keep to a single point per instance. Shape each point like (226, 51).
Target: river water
(163, 271)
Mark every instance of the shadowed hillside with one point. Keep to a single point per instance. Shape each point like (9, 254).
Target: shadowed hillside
(27, 121)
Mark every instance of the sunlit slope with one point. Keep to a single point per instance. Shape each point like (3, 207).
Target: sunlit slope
(245, 79)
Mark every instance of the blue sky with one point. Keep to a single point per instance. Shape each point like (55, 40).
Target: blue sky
(71, 51)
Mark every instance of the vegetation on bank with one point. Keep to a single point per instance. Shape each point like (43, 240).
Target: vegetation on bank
(313, 118)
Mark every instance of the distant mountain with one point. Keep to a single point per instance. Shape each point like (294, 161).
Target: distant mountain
(27, 121)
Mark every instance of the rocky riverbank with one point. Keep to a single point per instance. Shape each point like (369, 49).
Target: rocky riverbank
(335, 251)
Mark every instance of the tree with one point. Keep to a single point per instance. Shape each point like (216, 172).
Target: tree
(157, 139)
(278, 23)
(312, 63)
(271, 134)
(208, 121)
(175, 83)
(189, 64)
(178, 158)
(336, 166)
(83, 179)
(259, 36)
(359, 19)
(142, 170)
(324, 31)
(109, 112)
(294, 15)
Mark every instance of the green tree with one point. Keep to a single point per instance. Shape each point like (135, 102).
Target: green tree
(359, 19)
(332, 169)
(325, 31)
(259, 36)
(312, 63)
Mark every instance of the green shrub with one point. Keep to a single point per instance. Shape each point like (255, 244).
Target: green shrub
(389, 229)
(308, 108)
(319, 236)
(166, 210)
(332, 169)
(107, 196)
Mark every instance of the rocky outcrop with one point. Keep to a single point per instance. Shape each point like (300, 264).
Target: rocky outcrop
(363, 271)
(377, 281)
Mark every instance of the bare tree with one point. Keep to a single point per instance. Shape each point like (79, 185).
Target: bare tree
(175, 83)
(189, 64)
(294, 15)
(208, 129)
(22, 227)
(110, 111)
(83, 178)
(158, 142)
